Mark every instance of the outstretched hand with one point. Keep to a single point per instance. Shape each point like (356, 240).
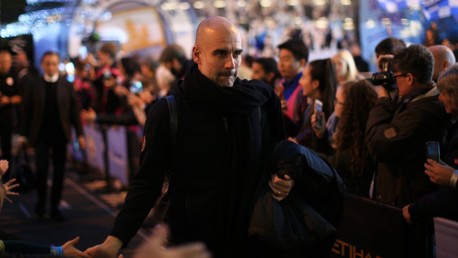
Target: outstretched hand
(69, 249)
(155, 247)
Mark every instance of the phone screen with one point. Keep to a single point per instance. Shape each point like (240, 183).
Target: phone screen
(319, 113)
(136, 87)
(433, 150)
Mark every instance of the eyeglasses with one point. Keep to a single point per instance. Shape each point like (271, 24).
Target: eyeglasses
(400, 75)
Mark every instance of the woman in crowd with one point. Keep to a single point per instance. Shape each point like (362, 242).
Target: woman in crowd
(345, 67)
(318, 82)
(352, 159)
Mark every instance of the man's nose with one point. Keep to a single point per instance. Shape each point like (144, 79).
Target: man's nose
(230, 62)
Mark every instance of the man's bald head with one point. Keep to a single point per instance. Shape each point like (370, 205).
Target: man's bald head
(217, 51)
(443, 58)
(213, 26)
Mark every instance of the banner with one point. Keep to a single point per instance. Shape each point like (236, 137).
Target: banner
(373, 230)
(118, 158)
(95, 147)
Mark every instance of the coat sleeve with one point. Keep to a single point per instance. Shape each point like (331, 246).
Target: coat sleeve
(146, 185)
(397, 135)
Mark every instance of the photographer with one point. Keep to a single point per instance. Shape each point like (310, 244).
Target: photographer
(396, 131)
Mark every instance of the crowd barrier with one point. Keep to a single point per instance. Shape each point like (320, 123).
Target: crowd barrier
(446, 232)
(371, 229)
(107, 152)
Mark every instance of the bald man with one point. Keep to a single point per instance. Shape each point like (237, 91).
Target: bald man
(443, 59)
(226, 128)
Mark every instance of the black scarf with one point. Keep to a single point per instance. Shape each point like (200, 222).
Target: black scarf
(240, 106)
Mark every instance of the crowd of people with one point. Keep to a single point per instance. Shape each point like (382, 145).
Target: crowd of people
(373, 135)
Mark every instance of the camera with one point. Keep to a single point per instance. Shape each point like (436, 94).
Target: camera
(385, 77)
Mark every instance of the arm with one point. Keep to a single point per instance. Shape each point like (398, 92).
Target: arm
(66, 250)
(146, 185)
(390, 134)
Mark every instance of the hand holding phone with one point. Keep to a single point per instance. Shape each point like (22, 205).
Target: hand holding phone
(433, 150)
(319, 114)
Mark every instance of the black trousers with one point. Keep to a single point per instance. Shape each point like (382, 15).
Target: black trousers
(6, 133)
(57, 147)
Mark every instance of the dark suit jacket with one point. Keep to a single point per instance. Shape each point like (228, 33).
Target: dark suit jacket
(34, 105)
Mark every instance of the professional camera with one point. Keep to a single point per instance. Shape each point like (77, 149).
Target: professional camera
(385, 77)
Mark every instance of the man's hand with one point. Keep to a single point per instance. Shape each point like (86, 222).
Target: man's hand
(438, 173)
(69, 249)
(108, 249)
(88, 115)
(155, 247)
(381, 92)
(280, 187)
(406, 214)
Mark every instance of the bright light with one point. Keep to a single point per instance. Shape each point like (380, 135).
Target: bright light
(319, 2)
(293, 2)
(370, 24)
(241, 3)
(386, 21)
(348, 24)
(345, 2)
(265, 3)
(322, 23)
(198, 5)
(219, 4)
(169, 6)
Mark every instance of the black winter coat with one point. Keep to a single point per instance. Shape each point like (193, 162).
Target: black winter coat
(224, 135)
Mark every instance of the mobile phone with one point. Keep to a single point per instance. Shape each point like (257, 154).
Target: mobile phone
(319, 113)
(136, 87)
(433, 150)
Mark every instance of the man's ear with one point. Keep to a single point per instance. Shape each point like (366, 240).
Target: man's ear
(196, 55)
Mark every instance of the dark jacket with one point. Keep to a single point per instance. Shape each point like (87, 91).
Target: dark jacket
(396, 136)
(224, 135)
(34, 105)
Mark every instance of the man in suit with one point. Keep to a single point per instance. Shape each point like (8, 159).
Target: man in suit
(50, 109)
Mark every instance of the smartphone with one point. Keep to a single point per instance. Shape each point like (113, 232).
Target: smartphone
(319, 113)
(136, 87)
(433, 150)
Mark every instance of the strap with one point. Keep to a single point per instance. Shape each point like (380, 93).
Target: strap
(173, 118)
